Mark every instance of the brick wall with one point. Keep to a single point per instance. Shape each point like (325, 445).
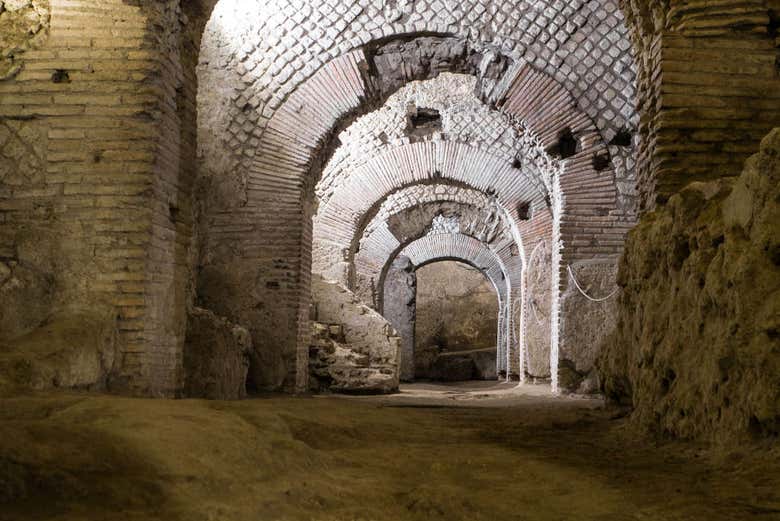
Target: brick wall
(101, 94)
(708, 88)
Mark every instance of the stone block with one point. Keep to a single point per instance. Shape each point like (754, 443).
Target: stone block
(216, 357)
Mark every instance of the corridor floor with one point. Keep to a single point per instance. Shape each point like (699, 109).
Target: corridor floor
(475, 451)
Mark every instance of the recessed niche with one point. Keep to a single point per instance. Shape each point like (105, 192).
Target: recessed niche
(566, 145)
(60, 76)
(423, 122)
(524, 211)
(624, 138)
(601, 161)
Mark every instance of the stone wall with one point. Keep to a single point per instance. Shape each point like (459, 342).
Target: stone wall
(697, 350)
(588, 317)
(72, 349)
(538, 305)
(400, 309)
(456, 311)
(216, 357)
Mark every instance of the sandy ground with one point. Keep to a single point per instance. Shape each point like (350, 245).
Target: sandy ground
(476, 451)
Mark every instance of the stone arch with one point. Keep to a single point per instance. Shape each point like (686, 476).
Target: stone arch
(437, 247)
(413, 216)
(279, 130)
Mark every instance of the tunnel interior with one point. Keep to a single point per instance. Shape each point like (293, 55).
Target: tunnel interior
(233, 200)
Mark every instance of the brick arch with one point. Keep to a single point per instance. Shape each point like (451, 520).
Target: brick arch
(455, 246)
(377, 241)
(591, 218)
(465, 165)
(340, 221)
(463, 117)
(376, 261)
(384, 246)
(249, 41)
(257, 222)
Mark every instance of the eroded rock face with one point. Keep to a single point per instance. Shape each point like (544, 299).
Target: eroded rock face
(270, 364)
(216, 357)
(396, 62)
(27, 296)
(335, 367)
(71, 350)
(362, 331)
(31, 273)
(697, 348)
(25, 25)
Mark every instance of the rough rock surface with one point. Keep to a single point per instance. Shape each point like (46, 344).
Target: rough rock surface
(399, 308)
(268, 362)
(697, 348)
(457, 310)
(335, 367)
(26, 296)
(216, 357)
(25, 25)
(585, 324)
(33, 265)
(363, 330)
(71, 350)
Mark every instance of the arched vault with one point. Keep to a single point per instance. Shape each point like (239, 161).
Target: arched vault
(279, 84)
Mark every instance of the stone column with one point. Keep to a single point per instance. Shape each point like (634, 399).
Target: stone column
(400, 293)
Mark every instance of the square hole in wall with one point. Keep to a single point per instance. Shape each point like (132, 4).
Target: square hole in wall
(524, 211)
(565, 146)
(423, 122)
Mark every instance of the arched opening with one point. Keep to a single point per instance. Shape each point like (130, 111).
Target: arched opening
(332, 140)
(182, 207)
(455, 337)
(399, 288)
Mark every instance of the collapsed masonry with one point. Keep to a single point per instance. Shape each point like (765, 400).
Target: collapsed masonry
(353, 348)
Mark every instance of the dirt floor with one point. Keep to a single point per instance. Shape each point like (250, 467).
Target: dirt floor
(477, 451)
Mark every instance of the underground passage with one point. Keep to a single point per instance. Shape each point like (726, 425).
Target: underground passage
(390, 259)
